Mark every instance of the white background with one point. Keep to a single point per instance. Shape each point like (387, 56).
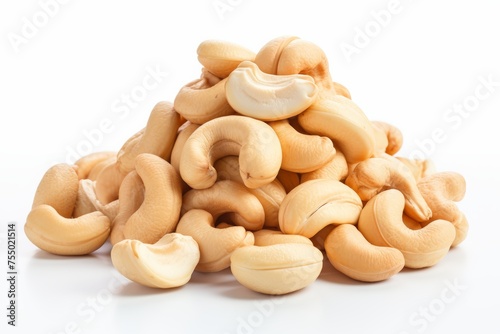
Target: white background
(64, 79)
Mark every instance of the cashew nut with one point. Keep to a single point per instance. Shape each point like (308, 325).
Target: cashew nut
(442, 190)
(230, 197)
(381, 224)
(302, 153)
(256, 143)
(87, 163)
(276, 269)
(268, 97)
(419, 168)
(216, 244)
(50, 231)
(336, 169)
(317, 203)
(222, 57)
(266, 237)
(374, 175)
(340, 119)
(160, 210)
(393, 135)
(168, 263)
(108, 181)
(341, 90)
(351, 254)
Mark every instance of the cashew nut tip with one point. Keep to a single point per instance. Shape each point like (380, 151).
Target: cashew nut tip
(351, 254)
(53, 233)
(277, 269)
(168, 263)
(222, 57)
(254, 141)
(268, 97)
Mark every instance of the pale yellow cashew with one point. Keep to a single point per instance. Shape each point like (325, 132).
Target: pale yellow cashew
(381, 224)
(289, 180)
(222, 57)
(266, 237)
(336, 169)
(168, 263)
(87, 163)
(254, 141)
(216, 244)
(350, 253)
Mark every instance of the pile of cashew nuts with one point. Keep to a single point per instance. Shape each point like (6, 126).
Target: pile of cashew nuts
(263, 165)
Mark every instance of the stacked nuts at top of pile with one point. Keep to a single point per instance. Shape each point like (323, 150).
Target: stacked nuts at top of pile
(261, 165)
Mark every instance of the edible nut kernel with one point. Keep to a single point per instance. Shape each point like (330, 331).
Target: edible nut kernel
(336, 169)
(88, 162)
(351, 254)
(168, 263)
(266, 237)
(216, 244)
(277, 269)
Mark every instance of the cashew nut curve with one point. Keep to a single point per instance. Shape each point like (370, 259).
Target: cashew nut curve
(222, 57)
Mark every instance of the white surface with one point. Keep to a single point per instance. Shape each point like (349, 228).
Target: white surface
(70, 76)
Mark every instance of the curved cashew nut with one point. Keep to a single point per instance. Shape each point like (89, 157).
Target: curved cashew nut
(442, 190)
(200, 101)
(351, 254)
(86, 164)
(160, 210)
(222, 57)
(185, 132)
(340, 119)
(131, 197)
(381, 224)
(168, 263)
(108, 181)
(374, 175)
(256, 143)
(302, 153)
(277, 269)
(50, 231)
(419, 168)
(267, 237)
(270, 195)
(216, 244)
(59, 189)
(336, 169)
(157, 137)
(268, 97)
(393, 135)
(317, 203)
(227, 197)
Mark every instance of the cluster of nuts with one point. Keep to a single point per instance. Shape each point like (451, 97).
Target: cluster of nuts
(261, 165)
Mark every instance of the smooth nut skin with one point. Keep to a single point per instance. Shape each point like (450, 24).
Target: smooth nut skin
(340, 119)
(277, 269)
(227, 197)
(266, 237)
(302, 153)
(58, 188)
(268, 97)
(160, 210)
(269, 55)
(53, 233)
(442, 190)
(351, 254)
(381, 223)
(375, 175)
(315, 204)
(341, 90)
(254, 141)
(168, 263)
(108, 181)
(419, 168)
(336, 169)
(216, 244)
(394, 136)
(87, 163)
(222, 57)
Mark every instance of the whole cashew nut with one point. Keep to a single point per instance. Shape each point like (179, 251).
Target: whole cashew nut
(254, 141)
(336, 169)
(266, 237)
(88, 162)
(222, 57)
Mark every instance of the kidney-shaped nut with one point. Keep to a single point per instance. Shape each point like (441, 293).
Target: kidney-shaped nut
(266, 237)
(87, 163)
(375, 175)
(277, 269)
(351, 254)
(442, 190)
(227, 197)
(157, 137)
(315, 204)
(381, 223)
(270, 195)
(168, 263)
(53, 233)
(59, 189)
(268, 56)
(108, 181)
(419, 168)
(222, 57)
(302, 153)
(216, 244)
(336, 169)
(254, 141)
(202, 100)
(340, 119)
(268, 97)
(394, 137)
(160, 210)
